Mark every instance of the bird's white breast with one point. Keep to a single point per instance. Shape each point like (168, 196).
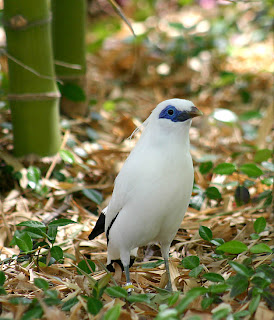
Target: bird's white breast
(152, 191)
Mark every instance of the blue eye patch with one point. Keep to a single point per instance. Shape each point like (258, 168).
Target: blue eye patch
(171, 113)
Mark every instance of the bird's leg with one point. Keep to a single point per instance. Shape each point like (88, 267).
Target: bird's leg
(169, 285)
(165, 254)
(128, 286)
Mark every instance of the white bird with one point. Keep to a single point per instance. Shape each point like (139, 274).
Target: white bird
(152, 191)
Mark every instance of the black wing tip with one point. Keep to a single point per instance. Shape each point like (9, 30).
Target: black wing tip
(92, 235)
(99, 227)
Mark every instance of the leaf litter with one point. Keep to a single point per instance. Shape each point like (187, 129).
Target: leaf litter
(76, 184)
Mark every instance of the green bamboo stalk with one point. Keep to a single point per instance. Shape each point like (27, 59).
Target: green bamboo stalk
(68, 35)
(33, 94)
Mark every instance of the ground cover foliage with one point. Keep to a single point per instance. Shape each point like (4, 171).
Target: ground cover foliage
(221, 259)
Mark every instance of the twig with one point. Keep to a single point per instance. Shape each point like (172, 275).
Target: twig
(5, 221)
(53, 164)
(21, 64)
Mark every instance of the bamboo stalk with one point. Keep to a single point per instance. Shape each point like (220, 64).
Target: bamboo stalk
(68, 34)
(33, 94)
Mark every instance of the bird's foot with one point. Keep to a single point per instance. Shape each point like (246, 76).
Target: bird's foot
(129, 287)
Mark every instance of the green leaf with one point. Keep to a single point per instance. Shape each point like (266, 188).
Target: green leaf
(67, 156)
(191, 295)
(72, 92)
(61, 222)
(190, 262)
(20, 300)
(251, 170)
(197, 201)
(267, 270)
(205, 233)
(267, 181)
(113, 313)
(233, 247)
(260, 248)
(196, 271)
(218, 288)
(262, 155)
(2, 292)
(93, 195)
(24, 242)
(225, 168)
(253, 305)
(166, 314)
(31, 224)
(217, 241)
(254, 236)
(173, 299)
(52, 301)
(36, 233)
(152, 265)
(34, 313)
(94, 305)
(241, 269)
(2, 278)
(253, 114)
(103, 282)
(34, 176)
(206, 302)
(259, 225)
(260, 282)
(57, 253)
(83, 266)
(109, 105)
(205, 167)
(213, 277)
(53, 294)
(213, 193)
(70, 303)
(144, 298)
(241, 314)
(220, 314)
(41, 283)
(52, 233)
(239, 287)
(116, 292)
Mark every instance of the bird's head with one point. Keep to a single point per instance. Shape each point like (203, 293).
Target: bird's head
(171, 116)
(176, 110)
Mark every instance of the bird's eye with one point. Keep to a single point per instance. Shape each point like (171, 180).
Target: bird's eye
(170, 112)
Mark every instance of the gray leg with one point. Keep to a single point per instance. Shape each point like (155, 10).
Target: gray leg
(128, 286)
(169, 285)
(165, 254)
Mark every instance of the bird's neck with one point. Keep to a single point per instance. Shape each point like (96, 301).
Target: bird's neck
(170, 137)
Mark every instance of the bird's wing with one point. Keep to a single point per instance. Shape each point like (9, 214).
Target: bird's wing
(124, 183)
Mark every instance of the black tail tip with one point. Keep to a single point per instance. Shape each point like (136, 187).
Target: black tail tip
(91, 236)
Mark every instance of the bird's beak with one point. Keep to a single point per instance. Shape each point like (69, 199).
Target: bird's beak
(194, 112)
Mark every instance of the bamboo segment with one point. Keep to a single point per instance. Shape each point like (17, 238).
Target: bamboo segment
(68, 34)
(33, 94)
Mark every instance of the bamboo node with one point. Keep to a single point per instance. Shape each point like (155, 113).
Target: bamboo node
(34, 96)
(18, 22)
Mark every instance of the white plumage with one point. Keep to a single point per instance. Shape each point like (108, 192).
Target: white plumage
(152, 191)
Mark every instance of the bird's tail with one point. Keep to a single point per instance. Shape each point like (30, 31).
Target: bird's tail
(99, 227)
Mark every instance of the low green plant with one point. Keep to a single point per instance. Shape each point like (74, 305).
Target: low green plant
(36, 241)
